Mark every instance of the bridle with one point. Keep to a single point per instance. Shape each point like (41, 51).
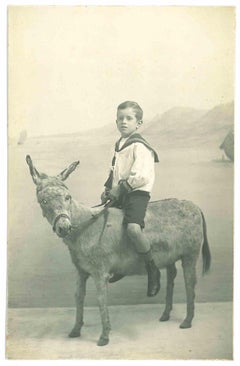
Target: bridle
(55, 221)
(93, 217)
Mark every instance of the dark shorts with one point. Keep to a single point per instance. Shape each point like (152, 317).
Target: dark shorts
(134, 207)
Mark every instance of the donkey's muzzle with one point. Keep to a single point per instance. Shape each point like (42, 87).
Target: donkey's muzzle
(62, 225)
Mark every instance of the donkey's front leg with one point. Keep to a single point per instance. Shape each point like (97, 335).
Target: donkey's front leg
(101, 286)
(79, 296)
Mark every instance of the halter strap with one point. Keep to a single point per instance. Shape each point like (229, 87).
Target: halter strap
(57, 218)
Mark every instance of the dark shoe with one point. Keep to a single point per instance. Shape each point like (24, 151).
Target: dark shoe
(153, 278)
(115, 277)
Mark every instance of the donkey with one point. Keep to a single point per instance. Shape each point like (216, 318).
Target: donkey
(99, 246)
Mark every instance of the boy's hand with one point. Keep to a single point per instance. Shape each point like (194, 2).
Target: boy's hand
(118, 192)
(114, 193)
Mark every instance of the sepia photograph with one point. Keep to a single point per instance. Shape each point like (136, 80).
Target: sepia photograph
(120, 203)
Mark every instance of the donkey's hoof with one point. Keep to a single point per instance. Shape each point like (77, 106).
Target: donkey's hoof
(74, 333)
(102, 341)
(185, 324)
(164, 317)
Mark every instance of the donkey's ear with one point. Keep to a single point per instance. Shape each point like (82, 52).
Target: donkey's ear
(33, 171)
(66, 172)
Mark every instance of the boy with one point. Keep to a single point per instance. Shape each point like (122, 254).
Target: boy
(130, 183)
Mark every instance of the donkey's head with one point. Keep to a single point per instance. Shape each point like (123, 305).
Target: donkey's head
(54, 197)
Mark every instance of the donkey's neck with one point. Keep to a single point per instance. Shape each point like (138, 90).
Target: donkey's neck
(80, 213)
(82, 218)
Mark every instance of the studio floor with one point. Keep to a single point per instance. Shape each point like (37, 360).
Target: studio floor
(42, 333)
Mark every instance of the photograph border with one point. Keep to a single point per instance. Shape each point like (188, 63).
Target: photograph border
(4, 167)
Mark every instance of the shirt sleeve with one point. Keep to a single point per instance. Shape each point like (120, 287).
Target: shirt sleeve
(142, 170)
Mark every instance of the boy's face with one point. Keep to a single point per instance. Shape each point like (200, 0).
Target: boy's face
(127, 121)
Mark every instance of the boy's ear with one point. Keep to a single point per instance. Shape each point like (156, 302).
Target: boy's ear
(140, 122)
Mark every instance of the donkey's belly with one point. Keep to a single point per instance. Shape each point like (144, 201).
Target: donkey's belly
(128, 265)
(128, 262)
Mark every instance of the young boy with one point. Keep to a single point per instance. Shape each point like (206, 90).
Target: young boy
(130, 183)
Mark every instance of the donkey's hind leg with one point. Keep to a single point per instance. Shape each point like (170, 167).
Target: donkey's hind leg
(79, 296)
(171, 274)
(189, 272)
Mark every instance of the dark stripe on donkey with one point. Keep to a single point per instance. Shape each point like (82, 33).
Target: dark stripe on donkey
(206, 255)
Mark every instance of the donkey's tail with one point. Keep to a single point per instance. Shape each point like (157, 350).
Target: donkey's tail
(206, 254)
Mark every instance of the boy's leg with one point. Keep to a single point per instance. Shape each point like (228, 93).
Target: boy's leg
(135, 205)
(143, 248)
(137, 236)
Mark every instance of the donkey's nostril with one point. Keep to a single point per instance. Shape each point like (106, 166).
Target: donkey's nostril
(63, 231)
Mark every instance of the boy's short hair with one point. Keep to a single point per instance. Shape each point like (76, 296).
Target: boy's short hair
(136, 107)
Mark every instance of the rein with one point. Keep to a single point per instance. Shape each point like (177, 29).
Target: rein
(106, 206)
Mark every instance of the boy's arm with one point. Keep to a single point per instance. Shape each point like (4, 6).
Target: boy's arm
(142, 171)
(108, 183)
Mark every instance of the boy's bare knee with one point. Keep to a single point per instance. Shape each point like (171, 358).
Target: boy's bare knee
(133, 230)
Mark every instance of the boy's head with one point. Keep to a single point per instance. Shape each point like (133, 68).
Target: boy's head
(129, 117)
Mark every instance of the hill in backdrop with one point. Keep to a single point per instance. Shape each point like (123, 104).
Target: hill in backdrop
(188, 127)
(178, 128)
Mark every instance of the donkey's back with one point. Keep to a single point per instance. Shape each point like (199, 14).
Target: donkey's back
(173, 227)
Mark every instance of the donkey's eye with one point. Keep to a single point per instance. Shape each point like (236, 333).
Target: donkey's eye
(68, 197)
(43, 202)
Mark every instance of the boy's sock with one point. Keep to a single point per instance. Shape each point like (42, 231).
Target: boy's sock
(153, 273)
